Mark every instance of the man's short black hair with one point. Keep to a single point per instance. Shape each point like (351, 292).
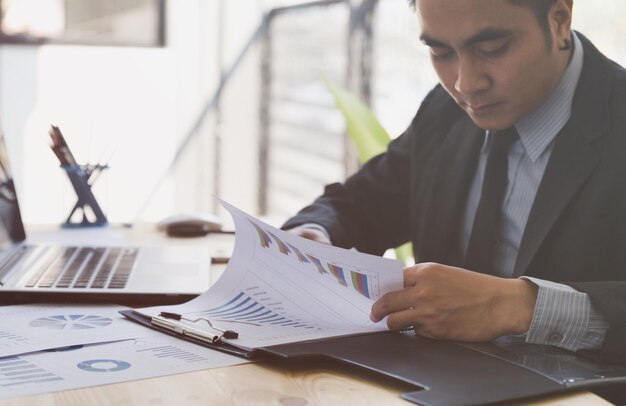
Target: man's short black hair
(539, 7)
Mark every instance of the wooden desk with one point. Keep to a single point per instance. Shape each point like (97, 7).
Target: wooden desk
(269, 383)
(259, 384)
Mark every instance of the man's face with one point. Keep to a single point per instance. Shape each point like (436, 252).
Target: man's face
(492, 57)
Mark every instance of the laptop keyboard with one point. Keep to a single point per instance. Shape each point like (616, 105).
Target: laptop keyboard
(84, 268)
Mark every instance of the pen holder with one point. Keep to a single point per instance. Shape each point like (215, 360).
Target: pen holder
(82, 178)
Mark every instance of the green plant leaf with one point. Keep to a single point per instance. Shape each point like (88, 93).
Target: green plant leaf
(404, 254)
(368, 135)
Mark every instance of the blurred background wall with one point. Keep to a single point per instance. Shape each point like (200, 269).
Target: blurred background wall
(184, 99)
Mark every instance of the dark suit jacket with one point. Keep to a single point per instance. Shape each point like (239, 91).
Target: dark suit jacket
(576, 231)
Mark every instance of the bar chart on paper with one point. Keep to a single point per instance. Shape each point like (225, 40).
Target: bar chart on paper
(173, 352)
(365, 284)
(246, 310)
(15, 371)
(262, 315)
(10, 340)
(279, 288)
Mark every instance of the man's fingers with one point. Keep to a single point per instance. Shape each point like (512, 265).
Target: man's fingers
(390, 303)
(402, 319)
(412, 274)
(407, 276)
(314, 235)
(311, 234)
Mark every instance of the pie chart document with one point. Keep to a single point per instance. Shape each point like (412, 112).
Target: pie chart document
(28, 328)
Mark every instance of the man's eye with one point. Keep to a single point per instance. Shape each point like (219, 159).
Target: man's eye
(491, 50)
(440, 53)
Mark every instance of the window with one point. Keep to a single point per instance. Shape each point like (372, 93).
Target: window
(90, 22)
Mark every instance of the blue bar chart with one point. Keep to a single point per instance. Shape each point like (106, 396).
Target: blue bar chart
(15, 371)
(170, 351)
(6, 336)
(242, 308)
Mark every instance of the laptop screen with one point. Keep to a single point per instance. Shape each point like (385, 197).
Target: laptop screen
(11, 227)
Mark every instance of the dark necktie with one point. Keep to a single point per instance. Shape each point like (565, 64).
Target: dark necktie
(482, 244)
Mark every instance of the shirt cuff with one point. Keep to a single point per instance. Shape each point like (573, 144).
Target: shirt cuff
(565, 318)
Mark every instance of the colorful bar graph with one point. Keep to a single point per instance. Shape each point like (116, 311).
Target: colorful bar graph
(265, 239)
(281, 245)
(337, 272)
(317, 263)
(301, 256)
(359, 281)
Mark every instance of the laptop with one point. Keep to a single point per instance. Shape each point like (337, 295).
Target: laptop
(90, 274)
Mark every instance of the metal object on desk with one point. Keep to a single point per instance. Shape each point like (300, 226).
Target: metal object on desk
(171, 321)
(82, 178)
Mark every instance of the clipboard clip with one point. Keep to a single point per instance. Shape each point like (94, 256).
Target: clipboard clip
(172, 321)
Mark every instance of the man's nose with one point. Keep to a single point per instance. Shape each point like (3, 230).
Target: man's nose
(471, 78)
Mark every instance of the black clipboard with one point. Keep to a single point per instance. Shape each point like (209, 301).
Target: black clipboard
(218, 345)
(446, 373)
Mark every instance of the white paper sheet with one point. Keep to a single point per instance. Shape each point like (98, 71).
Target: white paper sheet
(83, 366)
(28, 328)
(279, 288)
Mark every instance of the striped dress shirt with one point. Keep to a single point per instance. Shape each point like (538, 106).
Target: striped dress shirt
(563, 316)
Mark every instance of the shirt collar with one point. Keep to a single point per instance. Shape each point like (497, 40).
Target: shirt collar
(538, 129)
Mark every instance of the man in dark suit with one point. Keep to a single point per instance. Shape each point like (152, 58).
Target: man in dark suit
(510, 182)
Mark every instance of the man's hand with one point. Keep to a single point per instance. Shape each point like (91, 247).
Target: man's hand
(309, 233)
(445, 302)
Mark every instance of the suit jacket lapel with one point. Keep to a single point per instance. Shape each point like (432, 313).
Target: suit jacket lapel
(454, 173)
(573, 157)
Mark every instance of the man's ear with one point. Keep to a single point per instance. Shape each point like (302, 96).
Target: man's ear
(560, 21)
